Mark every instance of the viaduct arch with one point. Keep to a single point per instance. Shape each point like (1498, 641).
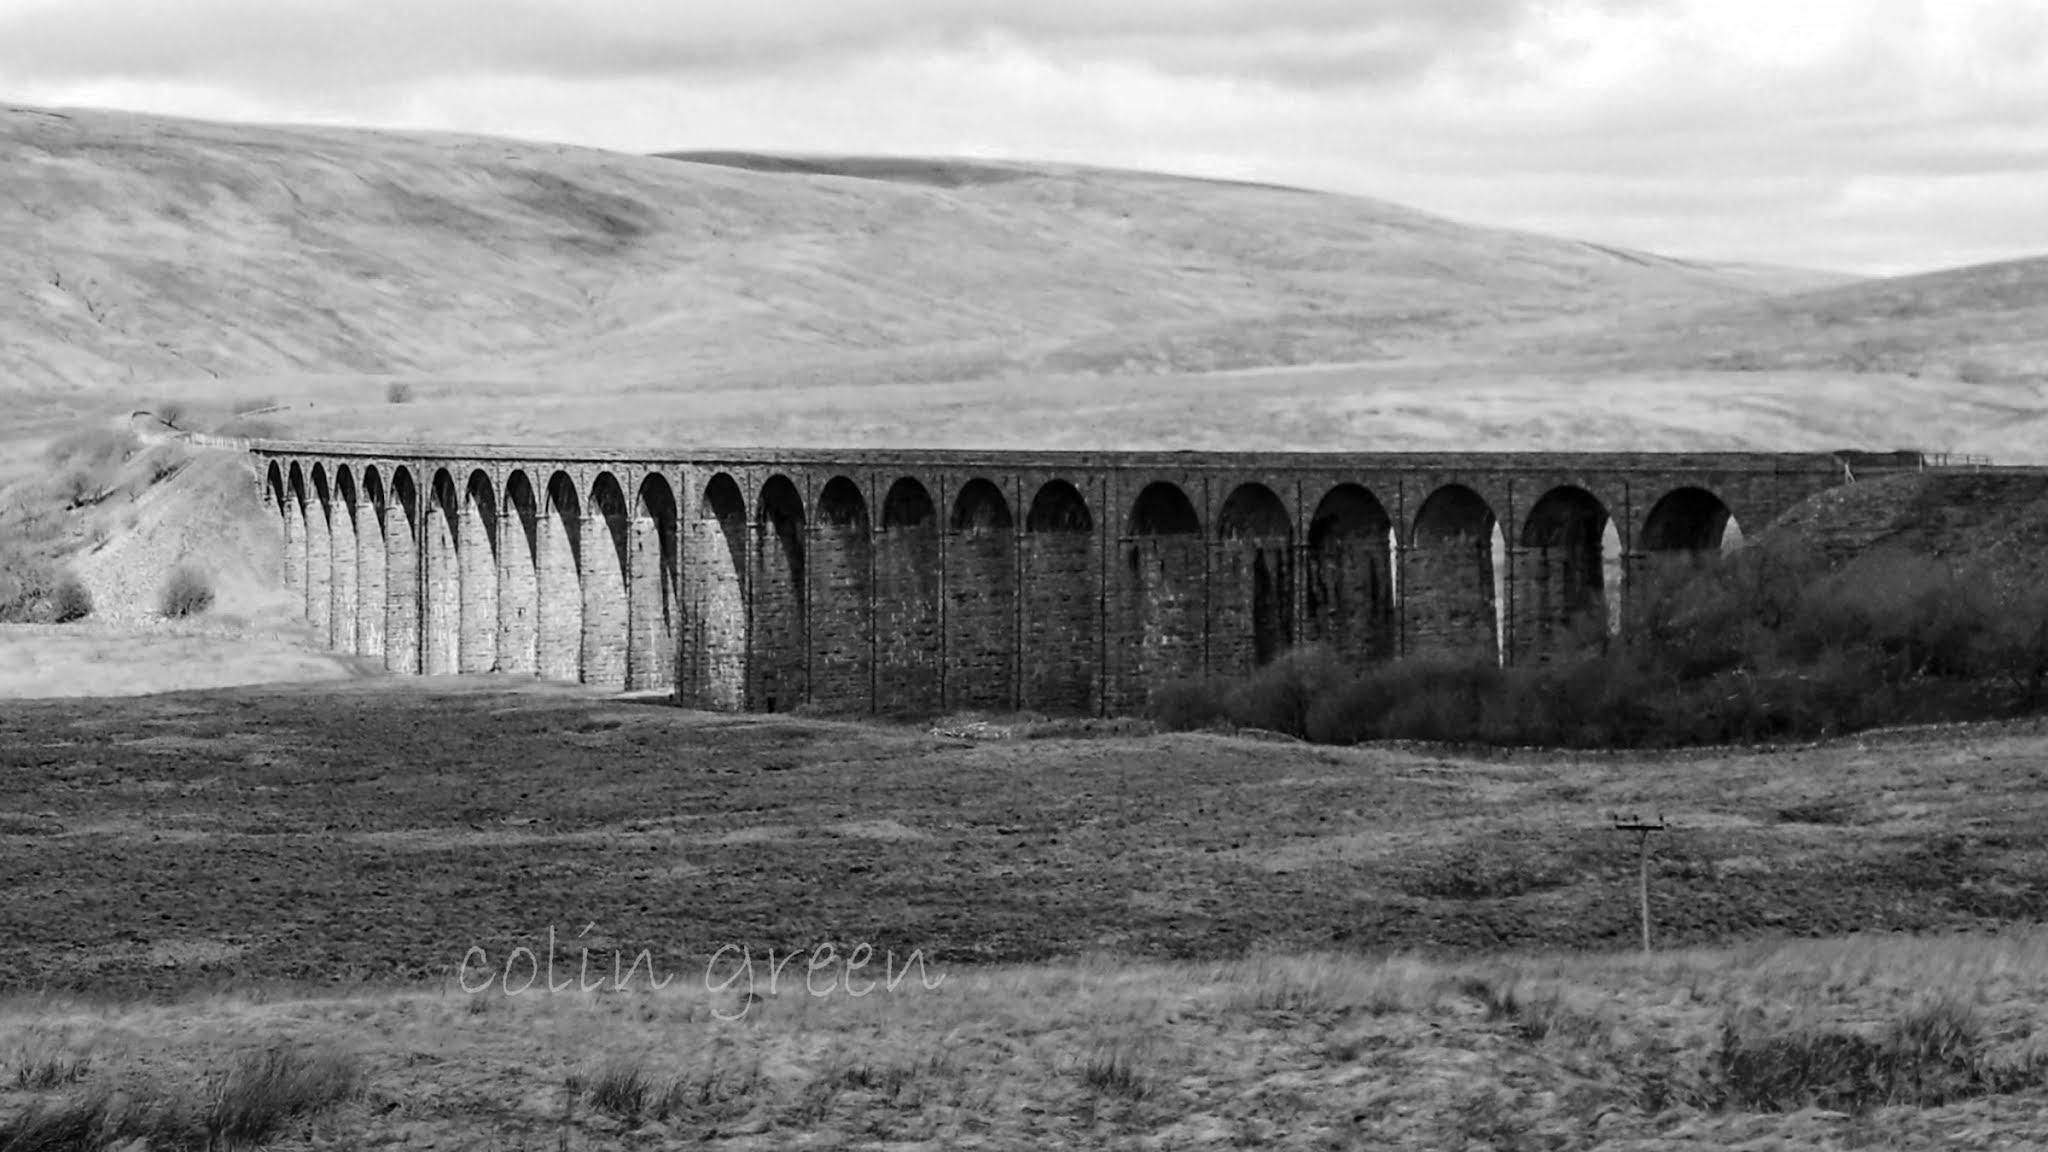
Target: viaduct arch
(920, 581)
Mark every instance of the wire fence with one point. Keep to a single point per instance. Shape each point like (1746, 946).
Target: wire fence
(1960, 460)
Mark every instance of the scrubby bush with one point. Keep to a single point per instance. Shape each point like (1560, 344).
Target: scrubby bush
(71, 599)
(26, 589)
(80, 487)
(1278, 696)
(398, 392)
(1184, 706)
(1755, 646)
(188, 592)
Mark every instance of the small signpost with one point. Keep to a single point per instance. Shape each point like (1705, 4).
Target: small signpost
(1632, 822)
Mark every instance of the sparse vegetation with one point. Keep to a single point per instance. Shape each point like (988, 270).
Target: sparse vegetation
(27, 589)
(71, 599)
(1114, 1072)
(1801, 1043)
(1931, 1056)
(187, 592)
(267, 1090)
(1758, 647)
(253, 1103)
(622, 1090)
(398, 392)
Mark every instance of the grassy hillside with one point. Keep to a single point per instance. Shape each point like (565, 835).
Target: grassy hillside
(140, 248)
(1978, 324)
(535, 293)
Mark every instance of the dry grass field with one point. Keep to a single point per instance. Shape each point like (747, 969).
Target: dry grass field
(1123, 938)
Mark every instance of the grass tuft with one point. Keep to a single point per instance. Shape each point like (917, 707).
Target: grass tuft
(268, 1089)
(623, 1090)
(1113, 1072)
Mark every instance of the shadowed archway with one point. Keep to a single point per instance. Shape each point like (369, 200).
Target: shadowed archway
(477, 544)
(560, 556)
(319, 556)
(442, 623)
(402, 649)
(1251, 594)
(842, 601)
(655, 577)
(981, 600)
(781, 604)
(373, 572)
(347, 573)
(1166, 593)
(291, 518)
(606, 538)
(1350, 578)
(519, 577)
(1062, 566)
(1451, 592)
(909, 640)
(1561, 577)
(716, 657)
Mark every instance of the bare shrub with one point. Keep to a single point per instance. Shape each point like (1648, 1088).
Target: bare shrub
(71, 599)
(1186, 706)
(1278, 697)
(81, 487)
(26, 588)
(188, 592)
(166, 464)
(172, 412)
(398, 392)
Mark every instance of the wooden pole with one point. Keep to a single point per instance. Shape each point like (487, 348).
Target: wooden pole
(1643, 883)
(1642, 828)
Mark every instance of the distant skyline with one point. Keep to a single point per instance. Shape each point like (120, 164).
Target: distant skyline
(1873, 136)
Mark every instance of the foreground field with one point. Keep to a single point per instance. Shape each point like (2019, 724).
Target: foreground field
(765, 932)
(336, 832)
(1864, 1043)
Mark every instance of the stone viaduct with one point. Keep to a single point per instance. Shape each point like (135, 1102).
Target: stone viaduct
(924, 581)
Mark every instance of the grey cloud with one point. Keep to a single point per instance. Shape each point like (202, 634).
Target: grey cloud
(267, 43)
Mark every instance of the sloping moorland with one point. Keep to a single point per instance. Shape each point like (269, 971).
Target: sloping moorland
(537, 293)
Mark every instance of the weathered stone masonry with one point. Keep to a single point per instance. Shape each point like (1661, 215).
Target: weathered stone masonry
(918, 581)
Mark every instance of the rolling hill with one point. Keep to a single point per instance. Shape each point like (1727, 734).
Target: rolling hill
(541, 293)
(1979, 323)
(140, 249)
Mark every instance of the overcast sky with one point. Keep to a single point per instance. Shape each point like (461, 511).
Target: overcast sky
(1864, 135)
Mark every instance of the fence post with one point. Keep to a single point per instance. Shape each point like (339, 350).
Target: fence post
(1642, 828)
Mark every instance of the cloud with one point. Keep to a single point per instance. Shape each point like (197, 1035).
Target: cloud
(267, 44)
